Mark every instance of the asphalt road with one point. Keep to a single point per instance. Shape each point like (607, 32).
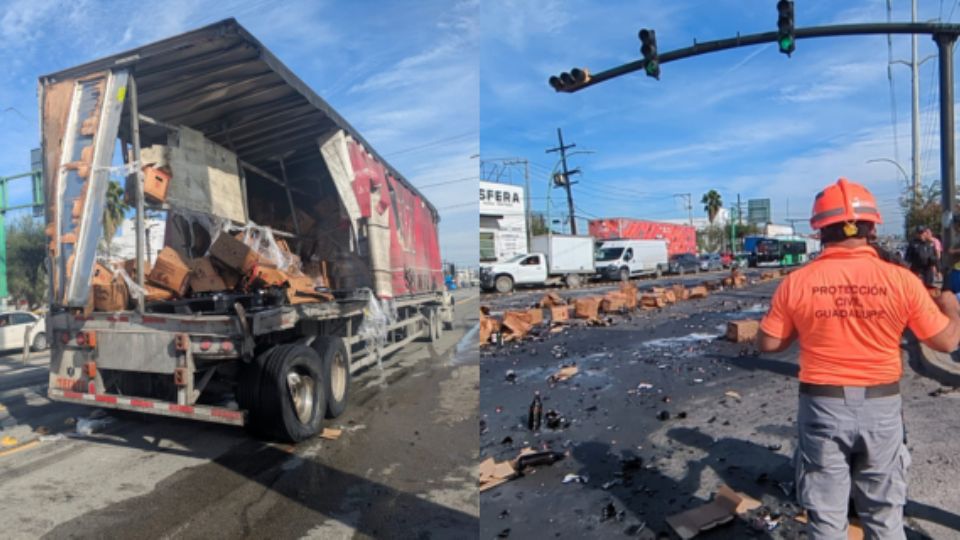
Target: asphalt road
(729, 419)
(404, 467)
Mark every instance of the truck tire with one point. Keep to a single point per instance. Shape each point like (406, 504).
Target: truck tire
(625, 274)
(293, 395)
(504, 284)
(40, 342)
(248, 392)
(336, 373)
(572, 281)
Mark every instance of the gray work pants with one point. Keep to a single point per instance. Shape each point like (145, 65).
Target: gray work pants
(852, 438)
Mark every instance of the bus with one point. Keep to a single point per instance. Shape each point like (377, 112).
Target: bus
(780, 251)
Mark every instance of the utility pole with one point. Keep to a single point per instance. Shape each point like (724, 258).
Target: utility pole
(689, 205)
(566, 178)
(739, 211)
(915, 124)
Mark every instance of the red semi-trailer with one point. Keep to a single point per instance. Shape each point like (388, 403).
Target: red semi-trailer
(255, 154)
(679, 238)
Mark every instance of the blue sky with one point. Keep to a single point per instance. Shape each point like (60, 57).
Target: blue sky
(404, 74)
(748, 121)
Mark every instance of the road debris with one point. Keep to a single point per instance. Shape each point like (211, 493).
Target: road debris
(725, 505)
(90, 425)
(742, 330)
(571, 478)
(563, 374)
(733, 394)
(331, 434)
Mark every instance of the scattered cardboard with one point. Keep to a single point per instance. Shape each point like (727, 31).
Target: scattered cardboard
(331, 434)
(669, 296)
(654, 300)
(493, 473)
(564, 373)
(204, 277)
(725, 505)
(233, 253)
(586, 308)
(535, 316)
(629, 292)
(552, 299)
(488, 326)
(743, 330)
(698, 292)
(681, 292)
(516, 322)
(559, 314)
(613, 301)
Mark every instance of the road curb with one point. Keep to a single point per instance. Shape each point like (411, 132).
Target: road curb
(940, 366)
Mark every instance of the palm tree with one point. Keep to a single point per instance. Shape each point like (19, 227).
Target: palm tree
(113, 212)
(712, 203)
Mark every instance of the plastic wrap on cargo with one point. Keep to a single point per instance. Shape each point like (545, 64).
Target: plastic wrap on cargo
(378, 315)
(261, 240)
(135, 290)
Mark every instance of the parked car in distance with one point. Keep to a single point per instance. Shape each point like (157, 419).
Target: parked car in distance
(682, 263)
(710, 262)
(14, 327)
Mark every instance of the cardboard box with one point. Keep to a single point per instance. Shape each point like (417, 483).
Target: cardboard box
(204, 277)
(725, 505)
(670, 297)
(552, 299)
(111, 296)
(488, 325)
(653, 301)
(233, 253)
(613, 302)
(101, 275)
(156, 182)
(266, 276)
(740, 331)
(681, 292)
(303, 290)
(516, 322)
(130, 267)
(629, 292)
(170, 272)
(698, 292)
(535, 316)
(559, 313)
(586, 308)
(157, 294)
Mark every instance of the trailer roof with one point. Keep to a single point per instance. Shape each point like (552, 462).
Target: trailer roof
(222, 81)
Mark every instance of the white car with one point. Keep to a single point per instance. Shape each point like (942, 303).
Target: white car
(15, 327)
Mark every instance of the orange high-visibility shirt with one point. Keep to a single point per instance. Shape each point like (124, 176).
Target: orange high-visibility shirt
(849, 309)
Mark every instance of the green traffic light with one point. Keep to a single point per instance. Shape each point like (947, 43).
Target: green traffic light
(652, 68)
(786, 44)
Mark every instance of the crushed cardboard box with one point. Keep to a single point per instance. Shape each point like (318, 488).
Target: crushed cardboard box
(493, 473)
(698, 292)
(170, 272)
(726, 504)
(649, 301)
(586, 308)
(535, 316)
(516, 322)
(564, 373)
(559, 314)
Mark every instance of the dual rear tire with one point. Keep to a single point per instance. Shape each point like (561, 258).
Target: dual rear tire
(288, 389)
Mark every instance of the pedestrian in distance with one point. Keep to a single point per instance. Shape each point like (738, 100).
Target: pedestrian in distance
(848, 310)
(922, 256)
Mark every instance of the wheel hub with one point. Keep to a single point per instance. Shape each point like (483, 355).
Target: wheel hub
(302, 389)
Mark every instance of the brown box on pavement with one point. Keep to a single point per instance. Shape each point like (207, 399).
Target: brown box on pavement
(740, 331)
(488, 325)
(652, 301)
(629, 292)
(614, 301)
(586, 308)
(552, 299)
(535, 316)
(170, 271)
(681, 292)
(233, 253)
(670, 297)
(204, 277)
(559, 313)
(516, 322)
(698, 292)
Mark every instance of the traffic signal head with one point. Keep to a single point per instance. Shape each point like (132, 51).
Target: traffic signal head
(785, 32)
(569, 81)
(648, 48)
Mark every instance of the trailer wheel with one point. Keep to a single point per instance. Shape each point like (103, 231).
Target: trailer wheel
(336, 373)
(504, 284)
(572, 281)
(293, 394)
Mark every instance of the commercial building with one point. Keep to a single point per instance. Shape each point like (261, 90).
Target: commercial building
(503, 225)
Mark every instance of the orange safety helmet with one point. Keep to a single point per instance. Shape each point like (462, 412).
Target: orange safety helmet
(844, 202)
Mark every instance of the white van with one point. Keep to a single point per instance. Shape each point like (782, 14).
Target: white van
(623, 259)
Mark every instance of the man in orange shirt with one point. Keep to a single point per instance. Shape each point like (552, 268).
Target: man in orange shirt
(848, 310)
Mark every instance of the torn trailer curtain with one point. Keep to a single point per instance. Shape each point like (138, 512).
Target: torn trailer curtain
(300, 159)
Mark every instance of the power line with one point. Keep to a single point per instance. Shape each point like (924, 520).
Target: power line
(448, 182)
(432, 143)
(461, 205)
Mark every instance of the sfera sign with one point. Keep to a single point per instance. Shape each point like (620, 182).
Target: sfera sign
(501, 197)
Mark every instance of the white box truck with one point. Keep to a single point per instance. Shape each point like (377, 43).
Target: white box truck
(624, 259)
(553, 259)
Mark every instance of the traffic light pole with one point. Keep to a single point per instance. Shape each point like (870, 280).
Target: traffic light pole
(945, 35)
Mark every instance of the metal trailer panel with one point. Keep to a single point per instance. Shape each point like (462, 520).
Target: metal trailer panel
(680, 238)
(566, 254)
